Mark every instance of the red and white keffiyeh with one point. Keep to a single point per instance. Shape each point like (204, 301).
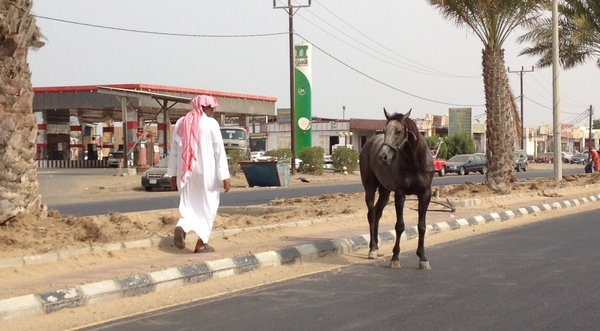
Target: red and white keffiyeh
(188, 131)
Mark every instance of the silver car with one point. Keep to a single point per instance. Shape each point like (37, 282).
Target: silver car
(114, 158)
(579, 158)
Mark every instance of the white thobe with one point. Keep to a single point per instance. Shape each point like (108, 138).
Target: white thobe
(199, 196)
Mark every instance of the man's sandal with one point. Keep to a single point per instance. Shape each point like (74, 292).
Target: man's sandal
(207, 249)
(179, 238)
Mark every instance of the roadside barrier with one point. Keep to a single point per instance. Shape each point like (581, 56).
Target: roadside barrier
(72, 164)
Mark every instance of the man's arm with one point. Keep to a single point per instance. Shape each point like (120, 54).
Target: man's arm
(226, 185)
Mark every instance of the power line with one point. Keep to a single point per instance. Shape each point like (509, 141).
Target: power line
(390, 50)
(163, 33)
(415, 69)
(426, 71)
(382, 83)
(576, 103)
(275, 34)
(537, 103)
(580, 117)
(440, 73)
(244, 36)
(570, 104)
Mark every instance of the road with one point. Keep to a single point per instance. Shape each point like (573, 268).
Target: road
(541, 276)
(167, 200)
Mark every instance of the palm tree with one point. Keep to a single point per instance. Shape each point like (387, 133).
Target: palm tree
(579, 35)
(18, 172)
(492, 21)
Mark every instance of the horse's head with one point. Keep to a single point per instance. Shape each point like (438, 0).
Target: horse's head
(396, 133)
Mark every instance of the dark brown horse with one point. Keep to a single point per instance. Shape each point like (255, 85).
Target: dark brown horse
(400, 161)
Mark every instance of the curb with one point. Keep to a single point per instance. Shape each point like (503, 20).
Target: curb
(151, 242)
(87, 294)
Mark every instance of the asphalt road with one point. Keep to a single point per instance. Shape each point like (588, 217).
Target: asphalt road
(542, 276)
(166, 200)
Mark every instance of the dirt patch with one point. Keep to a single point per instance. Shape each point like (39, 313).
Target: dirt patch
(542, 186)
(26, 235)
(67, 232)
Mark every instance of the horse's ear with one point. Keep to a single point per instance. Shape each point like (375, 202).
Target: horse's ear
(407, 115)
(387, 115)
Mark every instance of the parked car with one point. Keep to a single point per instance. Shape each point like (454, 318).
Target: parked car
(269, 156)
(521, 161)
(547, 157)
(255, 155)
(327, 162)
(463, 164)
(579, 158)
(566, 157)
(156, 177)
(440, 166)
(114, 158)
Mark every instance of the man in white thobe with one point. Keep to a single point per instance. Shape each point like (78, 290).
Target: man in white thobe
(197, 165)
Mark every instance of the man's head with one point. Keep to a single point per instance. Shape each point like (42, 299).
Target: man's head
(206, 103)
(209, 111)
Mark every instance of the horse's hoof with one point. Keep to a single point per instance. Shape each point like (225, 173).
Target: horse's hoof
(424, 265)
(373, 255)
(380, 254)
(395, 264)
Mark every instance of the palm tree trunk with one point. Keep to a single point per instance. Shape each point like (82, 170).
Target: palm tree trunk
(500, 134)
(18, 130)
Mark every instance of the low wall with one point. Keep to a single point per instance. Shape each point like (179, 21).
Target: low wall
(72, 164)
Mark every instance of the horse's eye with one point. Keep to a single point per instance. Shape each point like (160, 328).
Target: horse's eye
(398, 131)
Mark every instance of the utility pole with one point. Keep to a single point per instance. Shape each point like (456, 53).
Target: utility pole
(556, 93)
(521, 73)
(291, 10)
(590, 133)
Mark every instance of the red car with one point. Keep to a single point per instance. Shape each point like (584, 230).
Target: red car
(547, 157)
(439, 166)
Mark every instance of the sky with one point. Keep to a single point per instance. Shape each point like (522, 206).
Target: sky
(366, 55)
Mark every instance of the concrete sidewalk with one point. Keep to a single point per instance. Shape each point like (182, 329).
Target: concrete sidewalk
(296, 249)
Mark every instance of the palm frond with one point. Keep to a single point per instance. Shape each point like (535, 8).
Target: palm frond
(578, 31)
(492, 21)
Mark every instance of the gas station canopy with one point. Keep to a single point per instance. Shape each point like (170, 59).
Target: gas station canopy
(98, 103)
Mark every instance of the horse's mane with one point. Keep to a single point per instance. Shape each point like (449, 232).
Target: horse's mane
(411, 126)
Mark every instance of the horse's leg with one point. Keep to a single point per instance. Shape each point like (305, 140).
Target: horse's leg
(399, 199)
(424, 199)
(370, 201)
(373, 215)
(382, 201)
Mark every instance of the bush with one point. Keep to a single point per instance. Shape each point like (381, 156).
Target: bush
(459, 143)
(432, 141)
(344, 156)
(234, 157)
(443, 152)
(283, 154)
(312, 160)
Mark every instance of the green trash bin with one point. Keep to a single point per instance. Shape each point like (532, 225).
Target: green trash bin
(266, 173)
